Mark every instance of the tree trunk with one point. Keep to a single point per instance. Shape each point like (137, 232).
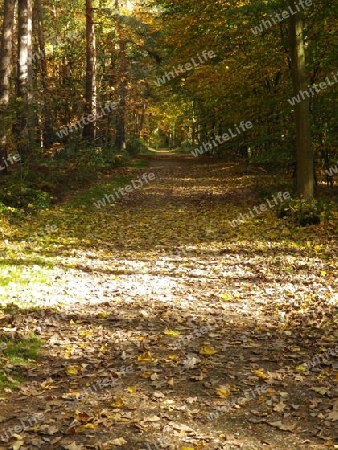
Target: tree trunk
(120, 140)
(304, 152)
(24, 94)
(47, 129)
(90, 109)
(6, 50)
(5, 68)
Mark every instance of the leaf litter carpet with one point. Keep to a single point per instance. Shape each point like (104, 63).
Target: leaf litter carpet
(166, 328)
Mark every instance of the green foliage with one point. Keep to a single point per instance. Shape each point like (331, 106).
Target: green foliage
(19, 353)
(23, 197)
(87, 197)
(139, 164)
(135, 146)
(185, 148)
(305, 212)
(90, 156)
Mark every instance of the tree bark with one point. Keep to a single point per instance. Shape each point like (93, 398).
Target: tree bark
(304, 151)
(47, 129)
(90, 108)
(6, 50)
(24, 121)
(5, 69)
(120, 140)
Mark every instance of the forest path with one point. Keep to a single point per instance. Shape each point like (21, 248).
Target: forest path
(155, 312)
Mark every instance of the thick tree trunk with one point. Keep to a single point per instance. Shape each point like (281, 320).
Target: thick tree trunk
(304, 152)
(6, 50)
(90, 109)
(5, 68)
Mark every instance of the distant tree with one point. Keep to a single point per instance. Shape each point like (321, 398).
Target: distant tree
(90, 109)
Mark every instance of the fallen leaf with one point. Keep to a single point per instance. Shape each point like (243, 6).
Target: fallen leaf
(260, 374)
(152, 419)
(205, 350)
(146, 356)
(118, 402)
(73, 370)
(320, 390)
(223, 391)
(171, 332)
(283, 427)
(132, 389)
(118, 442)
(279, 408)
(334, 414)
(301, 368)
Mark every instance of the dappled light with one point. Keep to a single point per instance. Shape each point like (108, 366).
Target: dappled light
(155, 308)
(168, 225)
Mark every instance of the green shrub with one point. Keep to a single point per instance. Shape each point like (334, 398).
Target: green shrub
(22, 197)
(305, 212)
(135, 146)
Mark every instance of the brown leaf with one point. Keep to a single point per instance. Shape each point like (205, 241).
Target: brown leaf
(282, 426)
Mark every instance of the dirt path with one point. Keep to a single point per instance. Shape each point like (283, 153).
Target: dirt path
(163, 314)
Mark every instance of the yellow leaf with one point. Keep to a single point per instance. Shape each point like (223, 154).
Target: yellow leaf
(301, 368)
(323, 273)
(223, 391)
(171, 332)
(118, 403)
(260, 374)
(226, 298)
(131, 389)
(86, 333)
(207, 350)
(73, 370)
(102, 315)
(88, 426)
(146, 356)
(83, 345)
